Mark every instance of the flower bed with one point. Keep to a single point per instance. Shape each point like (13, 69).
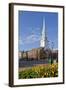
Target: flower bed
(40, 71)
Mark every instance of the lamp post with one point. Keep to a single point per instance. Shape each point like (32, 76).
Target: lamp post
(49, 52)
(52, 46)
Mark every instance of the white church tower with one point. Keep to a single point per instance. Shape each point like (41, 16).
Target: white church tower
(43, 39)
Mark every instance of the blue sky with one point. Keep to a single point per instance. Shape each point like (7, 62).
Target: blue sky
(30, 28)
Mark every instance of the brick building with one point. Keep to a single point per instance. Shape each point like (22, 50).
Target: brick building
(37, 54)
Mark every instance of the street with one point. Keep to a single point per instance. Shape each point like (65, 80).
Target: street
(30, 63)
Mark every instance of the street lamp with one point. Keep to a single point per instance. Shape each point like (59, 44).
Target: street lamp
(52, 46)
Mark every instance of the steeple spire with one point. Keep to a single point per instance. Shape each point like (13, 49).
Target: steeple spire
(42, 40)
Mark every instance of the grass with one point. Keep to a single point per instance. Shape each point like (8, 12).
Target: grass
(39, 71)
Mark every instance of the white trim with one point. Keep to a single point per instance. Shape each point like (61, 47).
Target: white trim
(60, 45)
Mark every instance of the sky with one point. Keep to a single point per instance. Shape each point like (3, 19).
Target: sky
(30, 28)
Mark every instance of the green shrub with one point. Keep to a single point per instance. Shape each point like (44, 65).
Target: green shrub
(28, 74)
(40, 71)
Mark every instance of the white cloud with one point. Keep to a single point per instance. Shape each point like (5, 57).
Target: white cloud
(20, 41)
(33, 28)
(29, 39)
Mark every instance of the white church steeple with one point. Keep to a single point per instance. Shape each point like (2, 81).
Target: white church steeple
(42, 40)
